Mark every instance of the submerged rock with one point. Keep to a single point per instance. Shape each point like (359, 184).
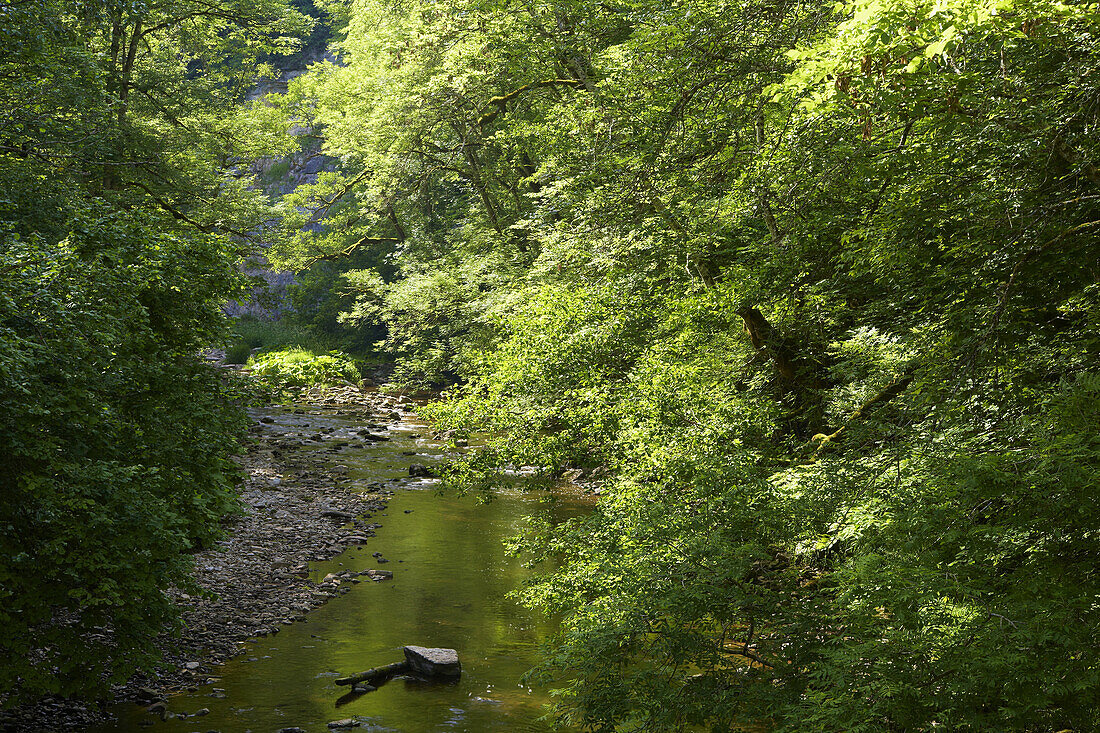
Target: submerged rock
(377, 574)
(159, 708)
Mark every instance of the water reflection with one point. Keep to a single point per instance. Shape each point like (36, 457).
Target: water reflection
(450, 586)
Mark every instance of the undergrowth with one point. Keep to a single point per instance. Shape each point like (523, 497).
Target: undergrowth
(250, 333)
(285, 372)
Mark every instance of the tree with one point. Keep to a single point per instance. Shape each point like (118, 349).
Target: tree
(116, 255)
(818, 290)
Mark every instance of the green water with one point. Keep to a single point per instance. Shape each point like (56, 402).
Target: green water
(450, 586)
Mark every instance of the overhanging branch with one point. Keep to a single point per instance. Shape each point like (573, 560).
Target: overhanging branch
(181, 216)
(889, 392)
(347, 251)
(501, 102)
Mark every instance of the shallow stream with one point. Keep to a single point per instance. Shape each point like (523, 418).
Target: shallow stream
(450, 586)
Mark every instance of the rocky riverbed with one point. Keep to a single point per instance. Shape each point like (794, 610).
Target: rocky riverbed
(297, 508)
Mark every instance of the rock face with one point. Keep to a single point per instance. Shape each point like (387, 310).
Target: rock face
(431, 663)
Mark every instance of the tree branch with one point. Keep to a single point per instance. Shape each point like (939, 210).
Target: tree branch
(350, 249)
(764, 338)
(324, 207)
(180, 216)
(889, 392)
(1002, 301)
(501, 102)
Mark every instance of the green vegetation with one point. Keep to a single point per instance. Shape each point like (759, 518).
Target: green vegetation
(276, 172)
(120, 231)
(286, 371)
(291, 357)
(817, 287)
(116, 445)
(326, 304)
(814, 291)
(252, 333)
(237, 353)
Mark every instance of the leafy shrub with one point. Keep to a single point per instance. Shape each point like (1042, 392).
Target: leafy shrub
(115, 445)
(250, 333)
(237, 353)
(287, 370)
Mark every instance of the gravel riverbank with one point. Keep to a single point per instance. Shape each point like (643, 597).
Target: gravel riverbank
(298, 509)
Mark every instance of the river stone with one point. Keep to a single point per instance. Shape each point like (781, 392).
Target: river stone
(377, 574)
(345, 723)
(427, 662)
(158, 708)
(148, 693)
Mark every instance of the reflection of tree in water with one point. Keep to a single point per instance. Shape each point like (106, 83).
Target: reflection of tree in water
(450, 587)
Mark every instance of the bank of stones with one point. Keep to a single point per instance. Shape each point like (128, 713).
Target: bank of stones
(297, 509)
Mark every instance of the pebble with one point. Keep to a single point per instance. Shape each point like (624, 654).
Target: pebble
(261, 571)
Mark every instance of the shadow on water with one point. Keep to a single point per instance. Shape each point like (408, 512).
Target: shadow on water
(450, 586)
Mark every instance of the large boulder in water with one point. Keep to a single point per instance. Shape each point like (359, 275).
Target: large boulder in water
(429, 663)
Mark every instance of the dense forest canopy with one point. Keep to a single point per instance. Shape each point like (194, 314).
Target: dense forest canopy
(815, 286)
(813, 291)
(117, 120)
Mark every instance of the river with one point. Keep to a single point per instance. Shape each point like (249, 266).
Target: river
(450, 589)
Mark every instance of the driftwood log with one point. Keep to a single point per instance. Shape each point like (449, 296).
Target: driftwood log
(422, 662)
(375, 675)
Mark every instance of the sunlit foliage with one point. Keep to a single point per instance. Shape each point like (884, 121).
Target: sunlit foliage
(812, 290)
